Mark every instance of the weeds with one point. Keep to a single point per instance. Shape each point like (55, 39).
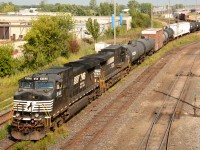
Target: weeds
(50, 138)
(4, 131)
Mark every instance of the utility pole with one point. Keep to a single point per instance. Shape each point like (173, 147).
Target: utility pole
(196, 11)
(114, 22)
(151, 15)
(169, 13)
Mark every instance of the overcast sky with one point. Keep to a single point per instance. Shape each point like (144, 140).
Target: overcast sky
(86, 2)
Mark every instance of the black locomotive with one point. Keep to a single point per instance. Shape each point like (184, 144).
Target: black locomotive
(48, 98)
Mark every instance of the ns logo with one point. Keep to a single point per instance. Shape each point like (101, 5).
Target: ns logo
(29, 106)
(79, 78)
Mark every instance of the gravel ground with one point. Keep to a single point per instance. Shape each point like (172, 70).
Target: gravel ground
(130, 126)
(79, 121)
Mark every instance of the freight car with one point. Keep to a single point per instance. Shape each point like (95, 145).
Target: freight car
(48, 98)
(180, 29)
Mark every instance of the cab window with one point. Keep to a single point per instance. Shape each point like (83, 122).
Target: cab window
(26, 85)
(44, 85)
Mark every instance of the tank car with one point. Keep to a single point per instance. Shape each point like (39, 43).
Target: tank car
(198, 25)
(139, 49)
(167, 35)
(193, 26)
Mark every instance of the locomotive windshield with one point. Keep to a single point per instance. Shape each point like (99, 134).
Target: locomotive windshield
(36, 85)
(26, 84)
(44, 85)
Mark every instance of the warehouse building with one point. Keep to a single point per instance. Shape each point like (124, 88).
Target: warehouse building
(15, 26)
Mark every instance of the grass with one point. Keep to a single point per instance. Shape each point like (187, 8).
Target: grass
(4, 131)
(51, 138)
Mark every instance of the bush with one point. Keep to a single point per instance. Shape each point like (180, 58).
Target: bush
(110, 32)
(74, 46)
(140, 20)
(7, 62)
(47, 39)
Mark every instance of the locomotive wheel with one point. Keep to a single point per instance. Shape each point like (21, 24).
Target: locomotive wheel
(57, 123)
(60, 122)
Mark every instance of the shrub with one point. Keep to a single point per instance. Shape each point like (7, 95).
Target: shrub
(7, 62)
(110, 32)
(74, 46)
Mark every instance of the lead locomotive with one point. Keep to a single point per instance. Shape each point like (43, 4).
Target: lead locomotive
(48, 98)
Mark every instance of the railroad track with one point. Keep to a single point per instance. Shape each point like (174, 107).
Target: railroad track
(11, 145)
(158, 134)
(5, 117)
(88, 136)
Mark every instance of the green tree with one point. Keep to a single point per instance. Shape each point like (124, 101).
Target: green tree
(93, 28)
(93, 4)
(133, 4)
(48, 39)
(107, 9)
(8, 7)
(145, 8)
(177, 6)
(7, 63)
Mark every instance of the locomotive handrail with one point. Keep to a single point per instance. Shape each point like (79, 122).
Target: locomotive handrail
(46, 112)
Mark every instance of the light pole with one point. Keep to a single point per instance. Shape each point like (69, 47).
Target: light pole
(114, 22)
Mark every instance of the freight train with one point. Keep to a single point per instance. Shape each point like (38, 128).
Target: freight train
(47, 99)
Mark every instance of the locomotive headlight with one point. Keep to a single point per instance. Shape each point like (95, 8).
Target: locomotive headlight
(36, 115)
(17, 114)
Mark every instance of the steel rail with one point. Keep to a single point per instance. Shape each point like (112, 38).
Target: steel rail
(150, 129)
(167, 133)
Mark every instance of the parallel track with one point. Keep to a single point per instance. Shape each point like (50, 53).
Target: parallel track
(150, 142)
(5, 117)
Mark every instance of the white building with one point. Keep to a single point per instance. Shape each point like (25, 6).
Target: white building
(15, 26)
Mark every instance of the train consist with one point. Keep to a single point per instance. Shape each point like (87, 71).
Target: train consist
(47, 99)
